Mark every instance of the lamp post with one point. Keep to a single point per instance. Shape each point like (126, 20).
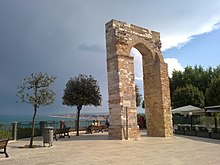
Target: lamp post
(126, 118)
(190, 115)
(127, 104)
(14, 130)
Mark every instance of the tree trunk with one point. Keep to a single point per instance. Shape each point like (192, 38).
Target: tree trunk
(33, 127)
(79, 107)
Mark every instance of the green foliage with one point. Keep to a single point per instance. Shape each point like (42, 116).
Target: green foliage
(216, 130)
(26, 132)
(188, 127)
(183, 127)
(196, 76)
(82, 90)
(138, 96)
(216, 72)
(176, 81)
(5, 134)
(180, 119)
(203, 129)
(35, 89)
(188, 95)
(79, 91)
(203, 79)
(213, 92)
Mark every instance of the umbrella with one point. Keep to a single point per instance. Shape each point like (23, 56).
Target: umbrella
(187, 109)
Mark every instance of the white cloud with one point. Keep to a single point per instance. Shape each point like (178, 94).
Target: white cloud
(174, 41)
(179, 40)
(173, 64)
(178, 28)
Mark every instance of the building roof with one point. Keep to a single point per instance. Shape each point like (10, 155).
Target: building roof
(212, 108)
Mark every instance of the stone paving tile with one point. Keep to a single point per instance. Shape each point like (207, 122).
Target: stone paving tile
(97, 149)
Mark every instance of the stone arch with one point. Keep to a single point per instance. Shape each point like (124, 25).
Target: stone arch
(120, 38)
(145, 52)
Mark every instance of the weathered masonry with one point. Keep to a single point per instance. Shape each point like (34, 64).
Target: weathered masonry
(120, 38)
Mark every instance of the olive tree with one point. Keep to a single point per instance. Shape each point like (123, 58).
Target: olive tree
(35, 90)
(81, 91)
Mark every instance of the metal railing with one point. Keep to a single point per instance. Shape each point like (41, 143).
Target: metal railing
(206, 121)
(16, 129)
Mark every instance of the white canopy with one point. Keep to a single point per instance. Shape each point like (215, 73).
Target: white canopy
(185, 110)
(213, 108)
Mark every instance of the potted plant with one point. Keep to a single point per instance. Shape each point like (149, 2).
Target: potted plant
(215, 134)
(189, 131)
(180, 130)
(203, 132)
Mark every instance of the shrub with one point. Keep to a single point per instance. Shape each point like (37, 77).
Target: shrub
(26, 132)
(183, 127)
(5, 134)
(188, 127)
(215, 130)
(203, 129)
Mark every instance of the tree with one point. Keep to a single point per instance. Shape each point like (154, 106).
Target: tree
(176, 81)
(138, 96)
(188, 95)
(216, 71)
(213, 92)
(79, 91)
(197, 77)
(35, 90)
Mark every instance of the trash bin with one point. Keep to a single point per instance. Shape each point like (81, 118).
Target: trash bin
(48, 136)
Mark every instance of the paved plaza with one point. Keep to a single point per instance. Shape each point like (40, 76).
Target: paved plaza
(94, 149)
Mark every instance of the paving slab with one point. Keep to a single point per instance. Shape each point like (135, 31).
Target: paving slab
(93, 149)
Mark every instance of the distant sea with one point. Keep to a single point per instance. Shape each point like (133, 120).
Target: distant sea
(23, 118)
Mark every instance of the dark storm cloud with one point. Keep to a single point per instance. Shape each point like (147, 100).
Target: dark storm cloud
(66, 38)
(91, 48)
(42, 36)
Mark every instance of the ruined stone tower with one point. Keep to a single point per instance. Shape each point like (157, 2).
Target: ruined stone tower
(120, 38)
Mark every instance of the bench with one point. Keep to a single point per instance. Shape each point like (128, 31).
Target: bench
(93, 128)
(3, 145)
(62, 132)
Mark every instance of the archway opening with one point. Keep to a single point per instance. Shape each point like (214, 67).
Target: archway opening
(138, 75)
(139, 87)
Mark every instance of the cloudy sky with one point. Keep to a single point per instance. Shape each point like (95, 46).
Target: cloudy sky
(65, 38)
